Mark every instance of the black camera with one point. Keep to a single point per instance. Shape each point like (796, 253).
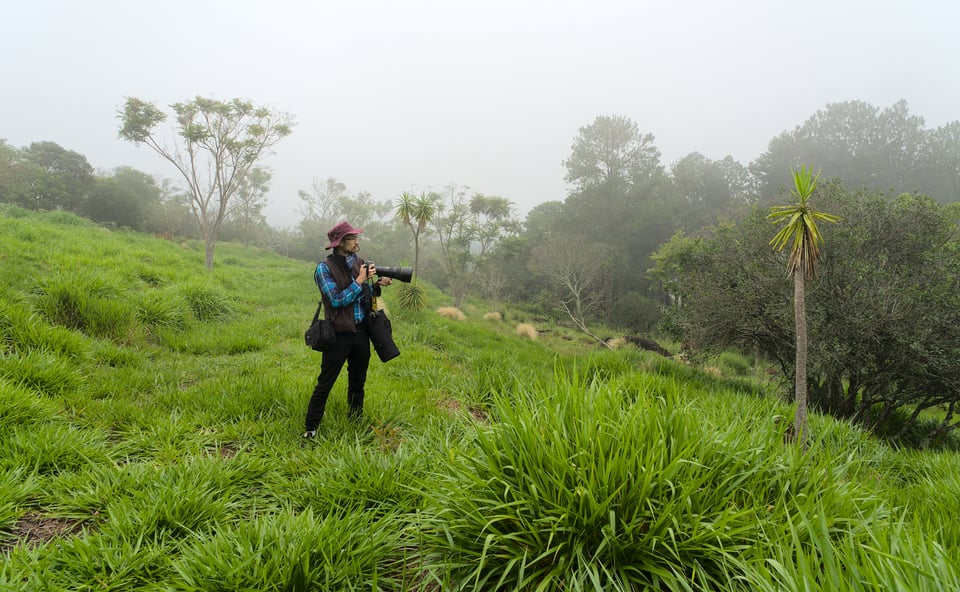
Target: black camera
(404, 274)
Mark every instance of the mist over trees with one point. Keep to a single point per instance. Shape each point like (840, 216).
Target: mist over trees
(636, 246)
(864, 146)
(623, 202)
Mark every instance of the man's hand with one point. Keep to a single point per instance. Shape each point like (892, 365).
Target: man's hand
(385, 281)
(366, 272)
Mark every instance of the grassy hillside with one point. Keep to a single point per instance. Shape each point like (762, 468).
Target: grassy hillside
(151, 413)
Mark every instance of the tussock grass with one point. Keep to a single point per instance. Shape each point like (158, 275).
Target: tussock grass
(151, 413)
(451, 312)
(526, 330)
(580, 487)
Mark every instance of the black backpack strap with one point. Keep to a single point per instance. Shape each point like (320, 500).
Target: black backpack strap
(316, 315)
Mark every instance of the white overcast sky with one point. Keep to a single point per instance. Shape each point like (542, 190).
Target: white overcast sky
(393, 96)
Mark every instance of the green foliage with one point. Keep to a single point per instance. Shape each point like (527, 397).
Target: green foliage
(206, 302)
(172, 459)
(42, 371)
(52, 449)
(882, 313)
(218, 144)
(410, 297)
(16, 487)
(165, 309)
(94, 304)
(359, 478)
(854, 141)
(734, 363)
(19, 406)
(295, 551)
(581, 487)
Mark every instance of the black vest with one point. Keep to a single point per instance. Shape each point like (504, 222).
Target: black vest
(343, 276)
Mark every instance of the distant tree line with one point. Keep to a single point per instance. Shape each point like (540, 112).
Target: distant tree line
(583, 258)
(637, 245)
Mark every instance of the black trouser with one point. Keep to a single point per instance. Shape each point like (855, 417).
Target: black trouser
(354, 349)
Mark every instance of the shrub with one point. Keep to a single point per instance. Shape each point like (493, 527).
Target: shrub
(493, 316)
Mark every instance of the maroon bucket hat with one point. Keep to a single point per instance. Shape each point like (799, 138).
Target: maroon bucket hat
(336, 234)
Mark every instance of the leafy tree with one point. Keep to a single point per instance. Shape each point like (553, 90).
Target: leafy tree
(885, 308)
(246, 213)
(16, 176)
(800, 230)
(173, 216)
(940, 168)
(743, 185)
(468, 231)
(417, 213)
(703, 188)
(611, 151)
(50, 177)
(623, 199)
(888, 150)
(127, 198)
(219, 143)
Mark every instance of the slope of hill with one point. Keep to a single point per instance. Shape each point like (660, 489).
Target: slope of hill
(150, 421)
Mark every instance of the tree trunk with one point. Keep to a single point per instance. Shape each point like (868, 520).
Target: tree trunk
(209, 242)
(800, 319)
(416, 255)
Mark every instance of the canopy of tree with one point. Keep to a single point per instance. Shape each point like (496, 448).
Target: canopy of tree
(883, 313)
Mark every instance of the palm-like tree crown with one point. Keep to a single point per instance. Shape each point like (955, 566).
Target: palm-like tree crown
(801, 225)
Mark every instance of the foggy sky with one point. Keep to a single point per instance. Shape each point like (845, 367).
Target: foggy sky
(412, 95)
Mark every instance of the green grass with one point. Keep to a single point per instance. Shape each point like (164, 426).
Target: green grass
(150, 421)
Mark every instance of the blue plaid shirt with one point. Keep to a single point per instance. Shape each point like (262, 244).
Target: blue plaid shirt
(340, 298)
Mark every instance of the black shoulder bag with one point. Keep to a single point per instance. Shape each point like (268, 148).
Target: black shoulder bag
(320, 336)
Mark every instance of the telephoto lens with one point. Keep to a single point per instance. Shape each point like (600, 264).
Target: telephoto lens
(404, 274)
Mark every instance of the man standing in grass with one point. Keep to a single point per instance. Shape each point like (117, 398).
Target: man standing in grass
(346, 293)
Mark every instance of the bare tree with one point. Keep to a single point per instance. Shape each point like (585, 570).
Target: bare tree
(572, 266)
(323, 201)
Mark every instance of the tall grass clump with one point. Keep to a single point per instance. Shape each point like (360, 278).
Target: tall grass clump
(41, 370)
(16, 487)
(91, 304)
(20, 406)
(579, 487)
(207, 303)
(164, 309)
(296, 551)
(410, 297)
(362, 479)
(23, 330)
